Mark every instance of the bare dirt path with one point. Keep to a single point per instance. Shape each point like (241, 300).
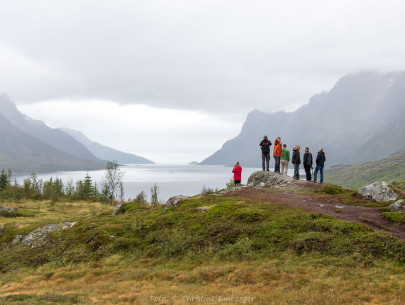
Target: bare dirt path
(292, 195)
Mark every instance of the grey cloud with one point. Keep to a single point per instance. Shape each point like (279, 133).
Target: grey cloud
(202, 55)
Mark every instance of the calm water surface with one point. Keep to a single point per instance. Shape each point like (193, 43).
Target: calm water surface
(171, 179)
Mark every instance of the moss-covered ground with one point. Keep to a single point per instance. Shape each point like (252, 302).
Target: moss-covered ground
(212, 249)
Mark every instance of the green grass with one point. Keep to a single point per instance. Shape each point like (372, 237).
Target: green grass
(29, 299)
(391, 168)
(236, 245)
(395, 217)
(229, 228)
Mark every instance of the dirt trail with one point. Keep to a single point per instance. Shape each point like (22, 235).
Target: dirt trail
(326, 204)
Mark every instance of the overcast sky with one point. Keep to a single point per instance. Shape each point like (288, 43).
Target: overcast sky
(173, 80)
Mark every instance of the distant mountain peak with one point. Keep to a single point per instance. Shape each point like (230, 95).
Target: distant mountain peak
(359, 119)
(48, 144)
(105, 152)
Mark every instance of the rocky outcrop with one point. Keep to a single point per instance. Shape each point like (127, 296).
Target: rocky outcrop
(116, 208)
(267, 178)
(7, 211)
(17, 238)
(378, 191)
(38, 237)
(175, 201)
(397, 206)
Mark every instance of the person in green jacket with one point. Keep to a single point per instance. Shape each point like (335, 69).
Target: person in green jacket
(285, 158)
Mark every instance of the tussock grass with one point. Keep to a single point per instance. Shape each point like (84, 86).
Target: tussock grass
(234, 247)
(31, 212)
(290, 279)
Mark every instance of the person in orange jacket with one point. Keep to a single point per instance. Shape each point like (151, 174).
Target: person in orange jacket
(278, 150)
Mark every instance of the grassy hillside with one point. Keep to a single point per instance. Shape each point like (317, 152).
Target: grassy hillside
(211, 247)
(358, 175)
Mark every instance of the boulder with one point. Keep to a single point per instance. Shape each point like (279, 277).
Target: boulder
(7, 211)
(38, 237)
(174, 201)
(17, 238)
(267, 178)
(397, 206)
(116, 208)
(378, 191)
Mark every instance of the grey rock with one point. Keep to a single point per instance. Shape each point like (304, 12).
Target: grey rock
(202, 210)
(6, 211)
(397, 206)
(174, 201)
(266, 178)
(17, 239)
(38, 237)
(206, 191)
(378, 191)
(116, 208)
(236, 188)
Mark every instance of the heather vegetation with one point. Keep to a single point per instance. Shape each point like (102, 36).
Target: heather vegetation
(209, 245)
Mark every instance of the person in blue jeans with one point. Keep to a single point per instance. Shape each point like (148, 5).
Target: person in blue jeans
(320, 163)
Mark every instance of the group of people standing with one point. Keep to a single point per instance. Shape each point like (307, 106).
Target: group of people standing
(282, 157)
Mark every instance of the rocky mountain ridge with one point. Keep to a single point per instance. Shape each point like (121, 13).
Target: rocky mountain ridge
(359, 119)
(105, 152)
(29, 145)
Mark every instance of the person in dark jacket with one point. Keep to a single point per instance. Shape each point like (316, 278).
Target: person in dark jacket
(307, 163)
(265, 146)
(320, 163)
(296, 160)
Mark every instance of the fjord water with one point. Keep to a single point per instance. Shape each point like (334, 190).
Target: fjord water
(172, 180)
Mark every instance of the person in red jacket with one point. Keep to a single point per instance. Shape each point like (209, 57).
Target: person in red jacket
(277, 152)
(237, 173)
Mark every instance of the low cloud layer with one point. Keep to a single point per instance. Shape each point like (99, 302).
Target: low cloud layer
(203, 55)
(162, 135)
(214, 60)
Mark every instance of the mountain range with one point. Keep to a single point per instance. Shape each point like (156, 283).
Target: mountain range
(105, 152)
(358, 120)
(29, 145)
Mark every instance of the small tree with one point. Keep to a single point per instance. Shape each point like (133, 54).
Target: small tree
(9, 174)
(122, 193)
(3, 180)
(154, 198)
(141, 198)
(112, 179)
(70, 188)
(86, 191)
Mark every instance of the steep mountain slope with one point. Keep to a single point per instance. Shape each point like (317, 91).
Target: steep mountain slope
(357, 175)
(358, 120)
(104, 152)
(53, 137)
(22, 152)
